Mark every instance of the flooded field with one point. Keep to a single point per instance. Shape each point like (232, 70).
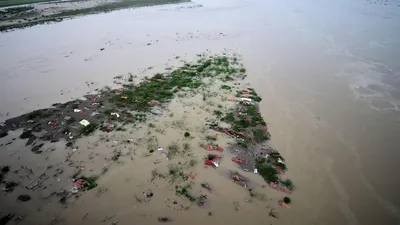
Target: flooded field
(327, 72)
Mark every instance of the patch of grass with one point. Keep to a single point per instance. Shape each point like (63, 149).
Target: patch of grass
(70, 121)
(258, 120)
(243, 143)
(242, 124)
(229, 117)
(116, 155)
(288, 184)
(26, 134)
(173, 149)
(211, 138)
(186, 146)
(176, 173)
(14, 10)
(187, 134)
(90, 181)
(226, 87)
(268, 172)
(89, 129)
(192, 162)
(202, 144)
(75, 106)
(184, 191)
(121, 128)
(255, 194)
(108, 111)
(76, 174)
(178, 123)
(38, 114)
(256, 98)
(252, 111)
(227, 78)
(140, 117)
(260, 135)
(160, 130)
(281, 165)
(218, 113)
(160, 88)
(152, 143)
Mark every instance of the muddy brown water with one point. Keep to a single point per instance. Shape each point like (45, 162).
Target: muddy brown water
(327, 72)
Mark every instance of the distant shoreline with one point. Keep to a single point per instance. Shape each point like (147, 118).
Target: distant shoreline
(33, 12)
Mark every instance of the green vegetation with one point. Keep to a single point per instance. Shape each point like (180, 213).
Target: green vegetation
(226, 87)
(161, 89)
(70, 121)
(26, 134)
(260, 135)
(89, 129)
(6, 3)
(281, 165)
(38, 114)
(227, 78)
(176, 173)
(115, 6)
(211, 138)
(173, 149)
(57, 17)
(256, 98)
(186, 146)
(14, 10)
(268, 172)
(192, 162)
(187, 134)
(230, 117)
(287, 200)
(184, 191)
(116, 155)
(288, 184)
(90, 181)
(152, 143)
(75, 106)
(218, 113)
(252, 111)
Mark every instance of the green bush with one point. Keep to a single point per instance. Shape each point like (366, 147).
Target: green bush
(287, 200)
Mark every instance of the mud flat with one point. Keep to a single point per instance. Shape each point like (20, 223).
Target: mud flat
(43, 12)
(175, 135)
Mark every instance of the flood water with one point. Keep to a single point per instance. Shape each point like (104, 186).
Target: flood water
(328, 72)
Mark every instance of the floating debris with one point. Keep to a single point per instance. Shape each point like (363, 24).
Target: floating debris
(164, 219)
(84, 123)
(24, 198)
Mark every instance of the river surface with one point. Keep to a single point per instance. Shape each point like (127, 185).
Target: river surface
(328, 72)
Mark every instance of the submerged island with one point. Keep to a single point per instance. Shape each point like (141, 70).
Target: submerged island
(198, 116)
